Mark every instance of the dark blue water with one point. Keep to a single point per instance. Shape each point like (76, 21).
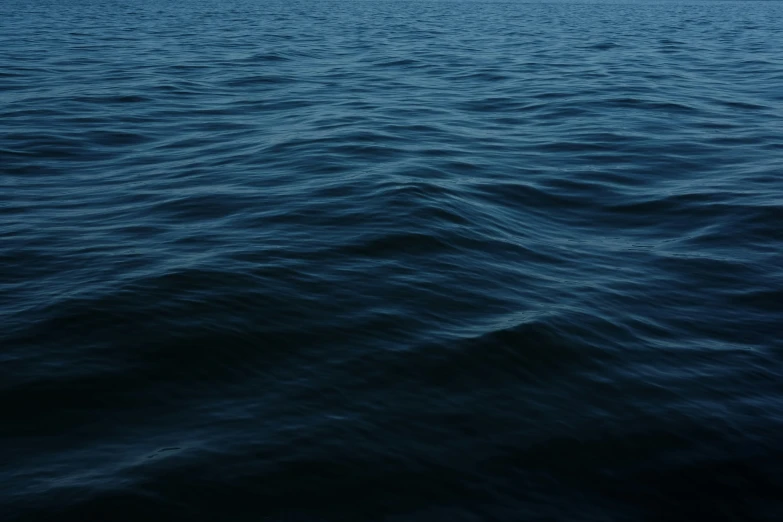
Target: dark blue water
(391, 261)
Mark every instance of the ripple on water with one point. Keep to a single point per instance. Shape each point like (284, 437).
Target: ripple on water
(400, 261)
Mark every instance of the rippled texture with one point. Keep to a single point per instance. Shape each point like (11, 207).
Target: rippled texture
(391, 261)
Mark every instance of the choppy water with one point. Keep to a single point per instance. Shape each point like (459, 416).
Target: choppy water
(391, 261)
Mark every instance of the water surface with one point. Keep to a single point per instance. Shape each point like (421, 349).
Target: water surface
(391, 261)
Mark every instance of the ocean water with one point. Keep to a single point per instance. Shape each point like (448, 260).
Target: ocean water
(313, 261)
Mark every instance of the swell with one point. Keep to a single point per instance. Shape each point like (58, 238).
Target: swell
(419, 261)
(453, 410)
